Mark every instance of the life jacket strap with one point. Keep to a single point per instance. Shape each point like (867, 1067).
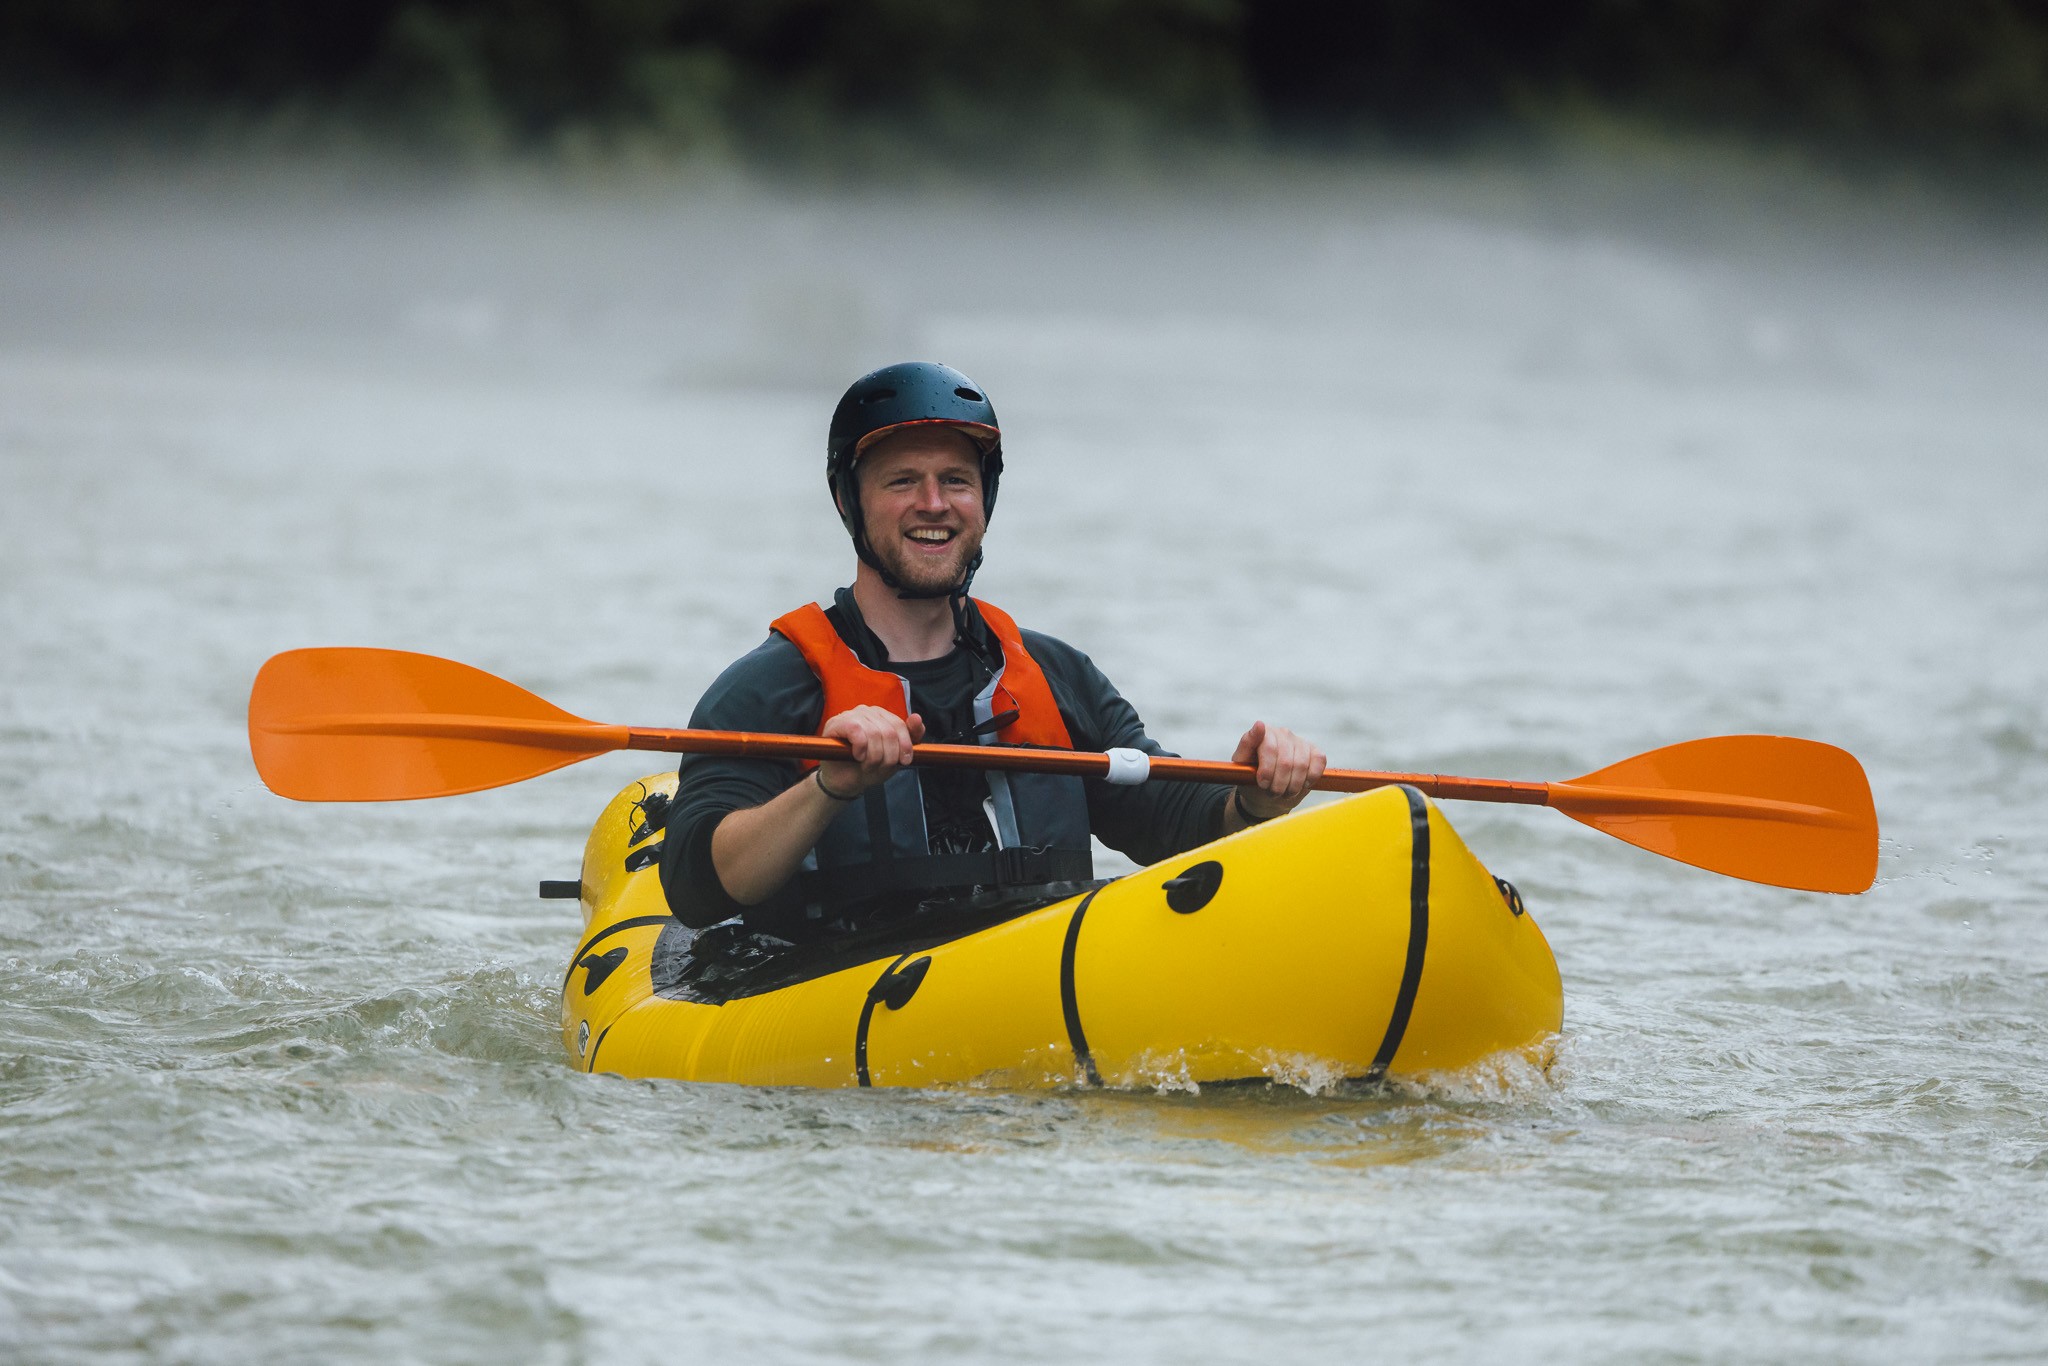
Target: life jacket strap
(994, 868)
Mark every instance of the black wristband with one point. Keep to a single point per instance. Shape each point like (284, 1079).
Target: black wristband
(819, 775)
(1244, 813)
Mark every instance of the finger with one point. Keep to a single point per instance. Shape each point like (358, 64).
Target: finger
(1298, 753)
(882, 750)
(1294, 761)
(1290, 777)
(1269, 762)
(916, 728)
(1287, 779)
(1248, 744)
(845, 728)
(1313, 762)
(892, 739)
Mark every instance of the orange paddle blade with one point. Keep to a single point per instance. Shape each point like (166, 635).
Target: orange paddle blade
(354, 725)
(1768, 808)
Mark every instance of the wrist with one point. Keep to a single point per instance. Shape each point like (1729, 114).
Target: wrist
(818, 776)
(1244, 813)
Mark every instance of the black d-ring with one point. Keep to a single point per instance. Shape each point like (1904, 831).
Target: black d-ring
(896, 987)
(598, 966)
(1194, 888)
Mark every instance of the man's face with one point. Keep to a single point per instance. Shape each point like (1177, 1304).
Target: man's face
(920, 492)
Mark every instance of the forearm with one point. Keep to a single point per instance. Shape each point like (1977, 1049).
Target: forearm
(1233, 816)
(756, 850)
(1156, 820)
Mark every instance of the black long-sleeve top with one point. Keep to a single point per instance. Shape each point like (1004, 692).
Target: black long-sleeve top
(772, 689)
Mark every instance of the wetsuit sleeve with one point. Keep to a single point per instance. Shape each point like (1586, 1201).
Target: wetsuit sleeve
(768, 689)
(1146, 822)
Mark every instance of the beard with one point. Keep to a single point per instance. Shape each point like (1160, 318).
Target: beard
(923, 573)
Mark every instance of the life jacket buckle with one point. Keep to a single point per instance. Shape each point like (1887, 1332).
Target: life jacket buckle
(1015, 867)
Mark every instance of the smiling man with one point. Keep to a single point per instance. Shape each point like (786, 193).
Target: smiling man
(913, 460)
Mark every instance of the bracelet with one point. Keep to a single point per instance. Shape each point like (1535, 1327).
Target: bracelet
(819, 775)
(1244, 812)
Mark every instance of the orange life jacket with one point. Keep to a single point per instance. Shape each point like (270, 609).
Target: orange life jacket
(849, 683)
(878, 847)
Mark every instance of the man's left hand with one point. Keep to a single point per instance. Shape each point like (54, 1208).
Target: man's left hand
(1288, 765)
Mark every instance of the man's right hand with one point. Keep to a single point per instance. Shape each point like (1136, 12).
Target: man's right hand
(881, 742)
(755, 850)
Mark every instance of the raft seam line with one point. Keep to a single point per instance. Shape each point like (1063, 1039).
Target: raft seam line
(591, 1066)
(1070, 1004)
(1418, 935)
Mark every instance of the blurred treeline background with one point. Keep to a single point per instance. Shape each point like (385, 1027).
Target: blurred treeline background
(997, 81)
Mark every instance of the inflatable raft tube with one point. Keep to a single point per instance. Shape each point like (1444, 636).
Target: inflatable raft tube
(1355, 939)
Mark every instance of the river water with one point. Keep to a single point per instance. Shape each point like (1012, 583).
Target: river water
(1510, 472)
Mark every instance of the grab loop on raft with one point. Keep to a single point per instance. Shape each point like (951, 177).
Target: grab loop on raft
(598, 966)
(1194, 888)
(896, 987)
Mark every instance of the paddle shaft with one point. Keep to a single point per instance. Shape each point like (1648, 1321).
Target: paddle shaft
(366, 725)
(1569, 796)
(593, 737)
(586, 738)
(1079, 764)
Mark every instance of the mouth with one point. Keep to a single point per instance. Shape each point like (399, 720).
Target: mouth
(930, 540)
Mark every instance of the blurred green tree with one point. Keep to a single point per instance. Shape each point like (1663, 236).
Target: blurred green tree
(975, 78)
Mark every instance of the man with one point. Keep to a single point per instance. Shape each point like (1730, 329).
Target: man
(913, 460)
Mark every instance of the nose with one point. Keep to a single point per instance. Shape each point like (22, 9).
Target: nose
(930, 496)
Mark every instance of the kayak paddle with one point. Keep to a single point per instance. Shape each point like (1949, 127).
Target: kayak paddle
(366, 725)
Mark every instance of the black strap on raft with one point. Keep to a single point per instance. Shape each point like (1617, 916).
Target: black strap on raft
(995, 868)
(648, 815)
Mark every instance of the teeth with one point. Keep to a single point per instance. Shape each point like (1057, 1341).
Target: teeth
(931, 534)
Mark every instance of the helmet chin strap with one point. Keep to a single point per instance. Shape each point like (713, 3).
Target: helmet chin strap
(957, 593)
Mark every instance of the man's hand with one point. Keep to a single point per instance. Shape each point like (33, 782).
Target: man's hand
(754, 851)
(1287, 764)
(881, 743)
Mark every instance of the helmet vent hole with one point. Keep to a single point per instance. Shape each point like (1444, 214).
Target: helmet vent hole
(877, 395)
(968, 394)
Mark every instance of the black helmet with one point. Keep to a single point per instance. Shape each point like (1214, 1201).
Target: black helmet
(906, 395)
